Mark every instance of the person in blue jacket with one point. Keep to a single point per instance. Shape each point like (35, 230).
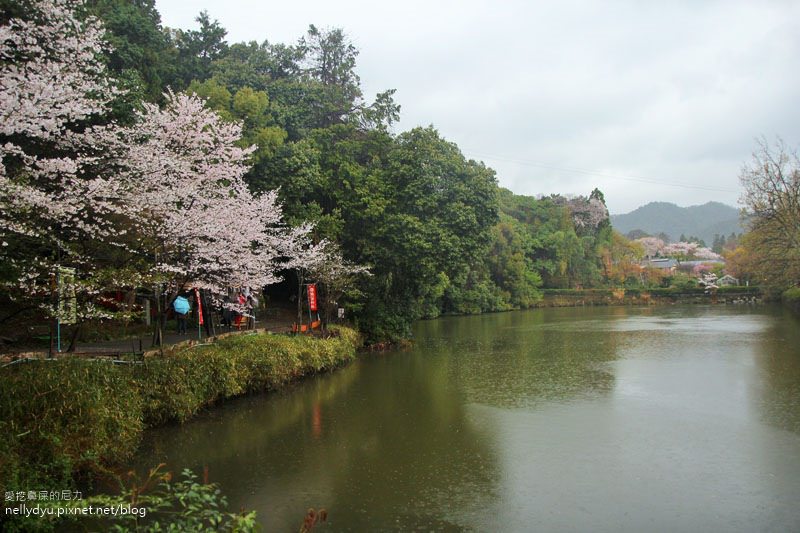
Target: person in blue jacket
(182, 307)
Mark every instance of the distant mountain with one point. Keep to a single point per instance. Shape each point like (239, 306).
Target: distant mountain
(703, 221)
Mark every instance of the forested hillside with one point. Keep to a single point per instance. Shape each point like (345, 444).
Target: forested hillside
(701, 221)
(434, 229)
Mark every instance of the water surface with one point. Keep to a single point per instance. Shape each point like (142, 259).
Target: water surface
(577, 419)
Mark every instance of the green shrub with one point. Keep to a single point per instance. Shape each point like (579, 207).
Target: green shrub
(178, 385)
(791, 297)
(62, 416)
(156, 504)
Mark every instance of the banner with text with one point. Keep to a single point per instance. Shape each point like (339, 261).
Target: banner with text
(312, 296)
(199, 307)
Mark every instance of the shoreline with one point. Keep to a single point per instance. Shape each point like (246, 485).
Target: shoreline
(74, 417)
(658, 296)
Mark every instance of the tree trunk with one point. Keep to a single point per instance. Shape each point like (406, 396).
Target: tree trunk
(300, 279)
(74, 340)
(158, 334)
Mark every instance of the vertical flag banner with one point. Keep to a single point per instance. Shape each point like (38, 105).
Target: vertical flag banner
(67, 303)
(312, 296)
(199, 307)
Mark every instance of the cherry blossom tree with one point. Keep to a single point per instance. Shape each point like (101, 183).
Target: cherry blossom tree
(306, 256)
(52, 81)
(587, 213)
(323, 263)
(688, 250)
(707, 280)
(160, 201)
(652, 246)
(703, 252)
(182, 173)
(680, 250)
(701, 269)
(51, 73)
(180, 170)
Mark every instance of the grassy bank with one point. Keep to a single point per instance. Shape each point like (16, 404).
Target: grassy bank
(65, 418)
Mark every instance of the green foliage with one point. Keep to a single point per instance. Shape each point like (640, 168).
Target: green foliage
(176, 387)
(331, 59)
(474, 292)
(551, 244)
(792, 294)
(511, 268)
(64, 416)
(681, 280)
(421, 217)
(183, 505)
(61, 416)
(196, 50)
(256, 65)
(139, 48)
(216, 95)
(791, 297)
(250, 104)
(156, 504)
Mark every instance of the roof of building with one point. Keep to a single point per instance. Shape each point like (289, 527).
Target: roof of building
(701, 262)
(660, 262)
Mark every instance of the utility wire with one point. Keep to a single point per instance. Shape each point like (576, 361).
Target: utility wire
(640, 179)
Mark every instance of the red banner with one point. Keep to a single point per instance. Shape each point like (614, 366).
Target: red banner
(199, 307)
(312, 296)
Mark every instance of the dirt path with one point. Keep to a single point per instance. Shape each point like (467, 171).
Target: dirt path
(276, 321)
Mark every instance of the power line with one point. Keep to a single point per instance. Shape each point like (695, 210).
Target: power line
(640, 179)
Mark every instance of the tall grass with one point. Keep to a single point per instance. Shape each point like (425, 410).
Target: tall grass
(64, 417)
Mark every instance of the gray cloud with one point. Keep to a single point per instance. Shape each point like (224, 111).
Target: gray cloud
(568, 96)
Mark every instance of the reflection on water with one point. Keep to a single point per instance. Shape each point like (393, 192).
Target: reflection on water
(779, 366)
(601, 419)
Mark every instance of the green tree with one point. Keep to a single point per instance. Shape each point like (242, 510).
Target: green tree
(197, 50)
(511, 269)
(257, 65)
(252, 109)
(216, 96)
(424, 230)
(139, 49)
(329, 60)
(621, 259)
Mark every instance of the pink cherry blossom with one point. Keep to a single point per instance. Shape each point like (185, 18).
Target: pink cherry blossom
(52, 78)
(652, 246)
(182, 174)
(166, 191)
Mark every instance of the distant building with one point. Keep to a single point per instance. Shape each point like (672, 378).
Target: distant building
(728, 281)
(688, 265)
(662, 263)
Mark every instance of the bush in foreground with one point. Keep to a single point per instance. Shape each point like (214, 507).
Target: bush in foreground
(66, 417)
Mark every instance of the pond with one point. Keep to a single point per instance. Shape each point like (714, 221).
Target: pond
(571, 419)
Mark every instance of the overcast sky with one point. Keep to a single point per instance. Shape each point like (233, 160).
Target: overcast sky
(646, 100)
